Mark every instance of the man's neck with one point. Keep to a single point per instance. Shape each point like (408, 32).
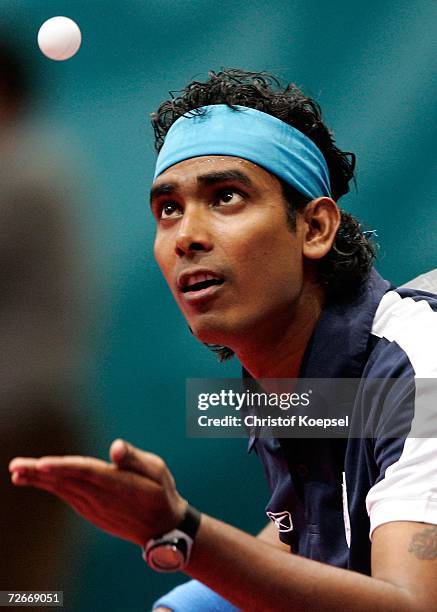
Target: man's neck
(277, 349)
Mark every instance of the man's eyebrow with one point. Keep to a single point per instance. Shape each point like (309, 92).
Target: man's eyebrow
(163, 189)
(210, 178)
(225, 175)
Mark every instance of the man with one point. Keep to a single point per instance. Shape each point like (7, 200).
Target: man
(264, 265)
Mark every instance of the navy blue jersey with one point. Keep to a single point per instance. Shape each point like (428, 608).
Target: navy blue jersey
(329, 495)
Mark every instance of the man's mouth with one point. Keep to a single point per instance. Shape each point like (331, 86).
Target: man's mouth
(198, 280)
(199, 285)
(203, 284)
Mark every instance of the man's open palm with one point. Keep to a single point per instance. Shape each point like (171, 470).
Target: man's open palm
(134, 497)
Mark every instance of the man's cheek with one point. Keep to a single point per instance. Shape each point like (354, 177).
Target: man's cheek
(163, 261)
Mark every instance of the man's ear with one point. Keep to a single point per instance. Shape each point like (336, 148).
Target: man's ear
(321, 219)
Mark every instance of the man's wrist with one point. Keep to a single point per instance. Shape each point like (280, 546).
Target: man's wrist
(190, 522)
(171, 551)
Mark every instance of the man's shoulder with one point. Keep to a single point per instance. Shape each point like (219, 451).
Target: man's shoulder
(424, 282)
(406, 323)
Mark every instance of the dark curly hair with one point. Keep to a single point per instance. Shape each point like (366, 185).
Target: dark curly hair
(346, 267)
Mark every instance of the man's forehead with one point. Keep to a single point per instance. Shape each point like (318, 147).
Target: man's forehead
(198, 165)
(210, 169)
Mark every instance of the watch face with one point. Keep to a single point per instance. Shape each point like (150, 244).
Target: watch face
(166, 557)
(170, 552)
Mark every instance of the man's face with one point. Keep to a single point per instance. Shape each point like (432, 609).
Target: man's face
(225, 249)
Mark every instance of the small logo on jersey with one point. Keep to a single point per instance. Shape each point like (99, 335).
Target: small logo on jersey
(282, 520)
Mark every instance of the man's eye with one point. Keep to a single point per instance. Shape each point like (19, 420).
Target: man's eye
(168, 209)
(228, 196)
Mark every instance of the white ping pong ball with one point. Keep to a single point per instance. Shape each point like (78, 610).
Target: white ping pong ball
(59, 38)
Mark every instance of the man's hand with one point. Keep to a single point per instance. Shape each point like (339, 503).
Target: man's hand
(134, 497)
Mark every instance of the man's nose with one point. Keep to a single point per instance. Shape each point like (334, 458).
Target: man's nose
(193, 233)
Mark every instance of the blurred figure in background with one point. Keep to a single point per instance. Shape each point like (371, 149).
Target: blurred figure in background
(39, 325)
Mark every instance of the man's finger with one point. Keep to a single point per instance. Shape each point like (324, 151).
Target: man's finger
(19, 463)
(82, 498)
(75, 461)
(86, 469)
(70, 491)
(93, 478)
(128, 457)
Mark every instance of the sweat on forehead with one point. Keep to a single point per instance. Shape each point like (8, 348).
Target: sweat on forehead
(252, 135)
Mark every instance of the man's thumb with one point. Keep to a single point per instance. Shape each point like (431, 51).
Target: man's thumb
(119, 452)
(128, 457)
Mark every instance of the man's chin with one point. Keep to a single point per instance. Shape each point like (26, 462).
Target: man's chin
(208, 334)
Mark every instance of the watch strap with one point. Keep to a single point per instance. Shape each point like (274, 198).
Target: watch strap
(190, 523)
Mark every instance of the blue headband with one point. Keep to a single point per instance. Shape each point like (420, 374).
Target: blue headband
(252, 135)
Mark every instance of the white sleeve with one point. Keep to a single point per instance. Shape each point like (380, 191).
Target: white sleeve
(426, 282)
(408, 491)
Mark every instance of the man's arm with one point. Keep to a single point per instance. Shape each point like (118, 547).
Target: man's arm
(193, 595)
(141, 500)
(256, 576)
(270, 535)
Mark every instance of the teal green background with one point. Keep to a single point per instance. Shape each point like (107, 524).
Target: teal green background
(371, 66)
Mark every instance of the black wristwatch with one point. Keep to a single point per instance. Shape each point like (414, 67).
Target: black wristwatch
(171, 551)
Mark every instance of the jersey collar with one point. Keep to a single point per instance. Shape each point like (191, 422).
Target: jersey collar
(338, 347)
